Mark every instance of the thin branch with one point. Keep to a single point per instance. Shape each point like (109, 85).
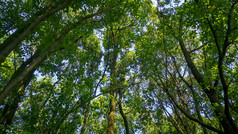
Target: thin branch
(181, 77)
(228, 32)
(214, 33)
(104, 72)
(5, 66)
(186, 113)
(220, 68)
(173, 120)
(200, 47)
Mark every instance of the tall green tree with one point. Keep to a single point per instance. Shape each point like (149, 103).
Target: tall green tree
(118, 66)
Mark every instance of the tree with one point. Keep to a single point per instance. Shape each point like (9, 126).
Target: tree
(118, 66)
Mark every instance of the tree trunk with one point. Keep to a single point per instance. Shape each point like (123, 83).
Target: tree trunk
(26, 68)
(210, 92)
(122, 113)
(111, 115)
(113, 85)
(17, 37)
(173, 99)
(13, 102)
(37, 58)
(85, 119)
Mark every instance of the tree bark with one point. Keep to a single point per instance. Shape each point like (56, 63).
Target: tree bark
(24, 70)
(113, 75)
(222, 52)
(85, 119)
(13, 102)
(210, 92)
(122, 113)
(111, 115)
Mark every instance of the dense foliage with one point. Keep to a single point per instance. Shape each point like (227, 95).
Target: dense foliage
(119, 66)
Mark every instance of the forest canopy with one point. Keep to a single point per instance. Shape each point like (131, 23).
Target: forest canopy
(119, 66)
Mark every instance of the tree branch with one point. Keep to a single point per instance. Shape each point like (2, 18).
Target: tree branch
(187, 114)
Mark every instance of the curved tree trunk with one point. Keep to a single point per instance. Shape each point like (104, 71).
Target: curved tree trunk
(38, 57)
(26, 68)
(13, 102)
(173, 99)
(210, 92)
(17, 37)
